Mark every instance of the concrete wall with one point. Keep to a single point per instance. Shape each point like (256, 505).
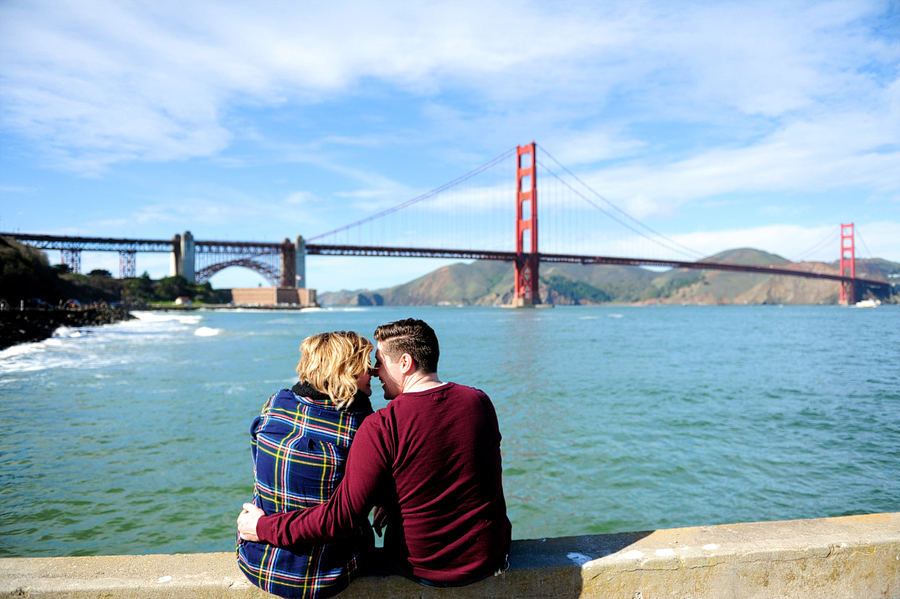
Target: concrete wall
(856, 557)
(269, 296)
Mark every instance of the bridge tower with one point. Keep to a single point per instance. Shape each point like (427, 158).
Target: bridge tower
(183, 256)
(300, 268)
(288, 264)
(71, 257)
(527, 290)
(848, 259)
(127, 266)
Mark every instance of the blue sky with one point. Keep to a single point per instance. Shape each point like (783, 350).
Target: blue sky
(719, 124)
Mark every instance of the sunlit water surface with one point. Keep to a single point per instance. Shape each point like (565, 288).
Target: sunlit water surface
(134, 437)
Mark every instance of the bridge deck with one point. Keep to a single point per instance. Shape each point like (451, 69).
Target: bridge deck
(263, 248)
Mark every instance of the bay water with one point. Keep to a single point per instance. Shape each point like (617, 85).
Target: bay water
(134, 438)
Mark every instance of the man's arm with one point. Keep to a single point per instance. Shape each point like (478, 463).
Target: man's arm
(342, 514)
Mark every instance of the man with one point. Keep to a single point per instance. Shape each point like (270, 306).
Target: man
(430, 460)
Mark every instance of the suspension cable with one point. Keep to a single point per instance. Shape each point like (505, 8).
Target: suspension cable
(818, 246)
(615, 218)
(592, 190)
(424, 196)
(858, 234)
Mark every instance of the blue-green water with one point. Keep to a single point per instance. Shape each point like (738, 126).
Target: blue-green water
(133, 438)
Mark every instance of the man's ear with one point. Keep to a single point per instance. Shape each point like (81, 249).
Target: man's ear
(407, 364)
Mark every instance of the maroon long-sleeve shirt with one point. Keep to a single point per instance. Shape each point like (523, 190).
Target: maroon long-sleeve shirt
(432, 460)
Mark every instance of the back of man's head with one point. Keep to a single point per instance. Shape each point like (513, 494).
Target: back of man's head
(413, 337)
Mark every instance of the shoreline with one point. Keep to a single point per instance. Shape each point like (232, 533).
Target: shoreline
(32, 325)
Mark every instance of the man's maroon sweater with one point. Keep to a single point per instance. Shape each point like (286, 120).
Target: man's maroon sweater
(431, 459)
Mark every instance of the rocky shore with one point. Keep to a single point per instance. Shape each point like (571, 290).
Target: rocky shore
(24, 326)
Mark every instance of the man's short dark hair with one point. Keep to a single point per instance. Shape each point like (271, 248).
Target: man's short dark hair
(413, 337)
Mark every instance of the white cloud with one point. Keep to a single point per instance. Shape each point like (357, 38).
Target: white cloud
(879, 239)
(664, 107)
(301, 198)
(833, 151)
(795, 242)
(587, 147)
(99, 82)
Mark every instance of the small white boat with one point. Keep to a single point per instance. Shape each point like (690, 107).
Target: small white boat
(868, 303)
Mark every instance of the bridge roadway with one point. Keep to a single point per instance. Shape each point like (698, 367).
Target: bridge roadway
(48, 242)
(350, 250)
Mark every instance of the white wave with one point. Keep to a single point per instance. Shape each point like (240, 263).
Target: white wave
(93, 347)
(31, 357)
(207, 332)
(68, 333)
(587, 318)
(615, 315)
(167, 316)
(23, 349)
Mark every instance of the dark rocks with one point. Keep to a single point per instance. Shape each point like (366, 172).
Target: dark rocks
(24, 326)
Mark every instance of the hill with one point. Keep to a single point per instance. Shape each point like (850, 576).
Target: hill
(491, 283)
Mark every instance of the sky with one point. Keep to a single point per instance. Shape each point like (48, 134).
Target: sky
(718, 124)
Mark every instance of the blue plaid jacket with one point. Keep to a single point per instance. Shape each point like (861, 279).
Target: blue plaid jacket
(299, 447)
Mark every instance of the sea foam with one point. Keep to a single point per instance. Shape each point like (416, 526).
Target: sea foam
(207, 332)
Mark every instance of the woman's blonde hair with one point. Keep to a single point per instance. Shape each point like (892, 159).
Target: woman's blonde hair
(332, 362)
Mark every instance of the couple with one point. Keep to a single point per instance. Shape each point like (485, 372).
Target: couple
(428, 464)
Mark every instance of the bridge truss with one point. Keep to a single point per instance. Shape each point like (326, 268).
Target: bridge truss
(274, 261)
(71, 247)
(268, 259)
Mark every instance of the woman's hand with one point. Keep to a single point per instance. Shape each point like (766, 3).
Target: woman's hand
(247, 522)
(379, 519)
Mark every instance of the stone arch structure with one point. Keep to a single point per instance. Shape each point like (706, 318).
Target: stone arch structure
(282, 264)
(271, 274)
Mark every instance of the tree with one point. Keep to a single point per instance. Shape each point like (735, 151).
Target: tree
(100, 272)
(26, 274)
(139, 289)
(170, 288)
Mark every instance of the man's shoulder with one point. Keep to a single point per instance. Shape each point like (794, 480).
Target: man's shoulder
(449, 390)
(457, 389)
(463, 394)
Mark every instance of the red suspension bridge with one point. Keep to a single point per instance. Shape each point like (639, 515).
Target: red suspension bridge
(476, 210)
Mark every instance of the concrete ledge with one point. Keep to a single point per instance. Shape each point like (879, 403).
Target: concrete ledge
(854, 557)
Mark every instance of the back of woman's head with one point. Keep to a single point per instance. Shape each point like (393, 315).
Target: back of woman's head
(332, 363)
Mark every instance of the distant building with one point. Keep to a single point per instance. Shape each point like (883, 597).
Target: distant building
(271, 296)
(182, 301)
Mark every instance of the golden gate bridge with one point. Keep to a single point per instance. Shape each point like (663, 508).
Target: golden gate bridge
(476, 210)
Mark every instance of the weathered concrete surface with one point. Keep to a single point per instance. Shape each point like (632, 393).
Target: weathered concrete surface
(856, 557)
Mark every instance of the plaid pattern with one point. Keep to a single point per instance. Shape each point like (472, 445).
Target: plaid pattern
(299, 447)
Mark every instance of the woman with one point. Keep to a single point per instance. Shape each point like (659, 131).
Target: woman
(299, 445)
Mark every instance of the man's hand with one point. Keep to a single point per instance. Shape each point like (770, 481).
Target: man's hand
(247, 522)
